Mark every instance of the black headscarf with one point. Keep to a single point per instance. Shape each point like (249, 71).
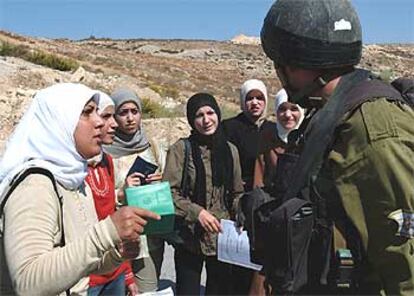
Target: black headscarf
(221, 157)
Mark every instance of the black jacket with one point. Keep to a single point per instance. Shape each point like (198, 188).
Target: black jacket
(245, 135)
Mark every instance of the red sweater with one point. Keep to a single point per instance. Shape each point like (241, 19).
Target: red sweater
(100, 179)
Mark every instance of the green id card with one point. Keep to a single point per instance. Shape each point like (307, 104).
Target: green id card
(156, 198)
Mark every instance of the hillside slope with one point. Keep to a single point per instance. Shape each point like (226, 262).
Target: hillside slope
(166, 72)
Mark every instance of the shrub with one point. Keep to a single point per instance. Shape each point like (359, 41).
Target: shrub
(165, 90)
(228, 112)
(7, 49)
(151, 109)
(38, 57)
(52, 61)
(387, 74)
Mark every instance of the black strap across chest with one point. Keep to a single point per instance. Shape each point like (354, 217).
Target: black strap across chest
(354, 89)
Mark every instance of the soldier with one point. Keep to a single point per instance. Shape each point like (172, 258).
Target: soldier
(367, 174)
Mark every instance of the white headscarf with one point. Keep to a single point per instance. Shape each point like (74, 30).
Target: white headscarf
(104, 102)
(282, 97)
(45, 136)
(248, 86)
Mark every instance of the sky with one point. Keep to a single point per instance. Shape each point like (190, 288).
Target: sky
(383, 21)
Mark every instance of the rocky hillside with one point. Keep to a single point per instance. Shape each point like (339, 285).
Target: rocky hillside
(163, 72)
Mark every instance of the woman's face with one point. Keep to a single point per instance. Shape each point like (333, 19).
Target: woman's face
(206, 121)
(288, 115)
(88, 132)
(128, 118)
(255, 103)
(110, 125)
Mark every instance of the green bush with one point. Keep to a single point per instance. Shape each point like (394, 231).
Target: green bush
(228, 112)
(7, 49)
(387, 74)
(38, 57)
(165, 90)
(52, 61)
(151, 109)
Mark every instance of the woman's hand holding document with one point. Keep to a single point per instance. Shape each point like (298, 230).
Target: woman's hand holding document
(233, 246)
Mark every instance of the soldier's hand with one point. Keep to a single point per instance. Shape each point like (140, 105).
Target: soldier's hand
(130, 222)
(209, 222)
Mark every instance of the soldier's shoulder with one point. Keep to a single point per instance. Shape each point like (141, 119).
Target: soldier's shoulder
(381, 119)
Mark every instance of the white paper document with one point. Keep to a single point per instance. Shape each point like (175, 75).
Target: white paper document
(233, 246)
(166, 292)
(143, 251)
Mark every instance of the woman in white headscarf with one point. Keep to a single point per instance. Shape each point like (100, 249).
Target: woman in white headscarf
(131, 146)
(244, 130)
(289, 116)
(100, 187)
(43, 252)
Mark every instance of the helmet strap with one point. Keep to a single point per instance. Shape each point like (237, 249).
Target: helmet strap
(303, 96)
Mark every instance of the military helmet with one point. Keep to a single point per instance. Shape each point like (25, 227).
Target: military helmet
(312, 34)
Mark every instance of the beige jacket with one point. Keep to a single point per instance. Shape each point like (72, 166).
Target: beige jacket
(33, 231)
(121, 169)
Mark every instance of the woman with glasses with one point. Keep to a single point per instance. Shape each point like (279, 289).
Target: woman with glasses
(131, 146)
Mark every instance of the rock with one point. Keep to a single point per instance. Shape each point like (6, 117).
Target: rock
(79, 75)
(243, 39)
(151, 49)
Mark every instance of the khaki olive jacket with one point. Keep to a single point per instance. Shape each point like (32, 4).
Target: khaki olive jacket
(185, 208)
(372, 172)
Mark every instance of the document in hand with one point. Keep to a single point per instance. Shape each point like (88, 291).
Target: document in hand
(156, 198)
(166, 292)
(233, 246)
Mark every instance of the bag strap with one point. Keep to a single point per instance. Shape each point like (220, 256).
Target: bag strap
(319, 134)
(405, 86)
(353, 90)
(369, 90)
(184, 179)
(19, 178)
